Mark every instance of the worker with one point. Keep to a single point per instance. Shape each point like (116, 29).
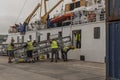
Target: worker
(23, 28)
(35, 52)
(10, 50)
(35, 43)
(12, 39)
(29, 47)
(64, 52)
(77, 38)
(54, 47)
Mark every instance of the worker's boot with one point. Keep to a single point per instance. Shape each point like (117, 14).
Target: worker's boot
(55, 60)
(51, 61)
(32, 60)
(9, 60)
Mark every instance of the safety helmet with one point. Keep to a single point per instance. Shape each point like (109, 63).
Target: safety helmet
(28, 39)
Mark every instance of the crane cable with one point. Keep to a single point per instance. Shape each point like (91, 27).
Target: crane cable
(40, 12)
(61, 12)
(71, 21)
(62, 6)
(21, 11)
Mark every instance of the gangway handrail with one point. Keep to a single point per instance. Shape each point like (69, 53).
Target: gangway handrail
(43, 46)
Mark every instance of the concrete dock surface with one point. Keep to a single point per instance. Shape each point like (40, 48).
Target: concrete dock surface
(46, 70)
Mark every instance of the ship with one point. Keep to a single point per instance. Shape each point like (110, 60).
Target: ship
(84, 16)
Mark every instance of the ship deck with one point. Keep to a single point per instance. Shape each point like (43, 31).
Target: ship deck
(46, 70)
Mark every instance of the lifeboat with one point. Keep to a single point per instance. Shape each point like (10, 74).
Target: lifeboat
(61, 18)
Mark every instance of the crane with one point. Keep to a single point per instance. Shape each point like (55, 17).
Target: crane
(30, 16)
(45, 7)
(45, 16)
(41, 9)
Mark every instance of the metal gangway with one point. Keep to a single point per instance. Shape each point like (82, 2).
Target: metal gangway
(43, 48)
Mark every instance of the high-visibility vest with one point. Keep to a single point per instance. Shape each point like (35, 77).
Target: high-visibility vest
(65, 48)
(29, 46)
(10, 47)
(54, 44)
(77, 37)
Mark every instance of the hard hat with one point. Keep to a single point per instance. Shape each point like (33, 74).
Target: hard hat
(28, 39)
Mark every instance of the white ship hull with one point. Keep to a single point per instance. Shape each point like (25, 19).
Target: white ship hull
(93, 49)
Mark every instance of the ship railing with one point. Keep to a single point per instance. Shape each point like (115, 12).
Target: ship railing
(89, 19)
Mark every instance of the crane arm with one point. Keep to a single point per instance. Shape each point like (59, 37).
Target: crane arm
(43, 18)
(30, 16)
(45, 6)
(41, 9)
(54, 7)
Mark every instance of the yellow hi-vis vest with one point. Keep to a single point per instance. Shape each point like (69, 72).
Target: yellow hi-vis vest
(65, 48)
(77, 37)
(10, 47)
(54, 44)
(29, 46)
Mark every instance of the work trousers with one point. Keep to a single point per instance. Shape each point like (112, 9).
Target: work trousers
(78, 44)
(54, 55)
(64, 55)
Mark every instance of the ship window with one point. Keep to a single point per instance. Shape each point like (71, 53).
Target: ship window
(71, 6)
(102, 16)
(99, 1)
(77, 4)
(18, 39)
(48, 36)
(39, 38)
(30, 37)
(60, 34)
(3, 38)
(66, 23)
(85, 13)
(97, 33)
(22, 38)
